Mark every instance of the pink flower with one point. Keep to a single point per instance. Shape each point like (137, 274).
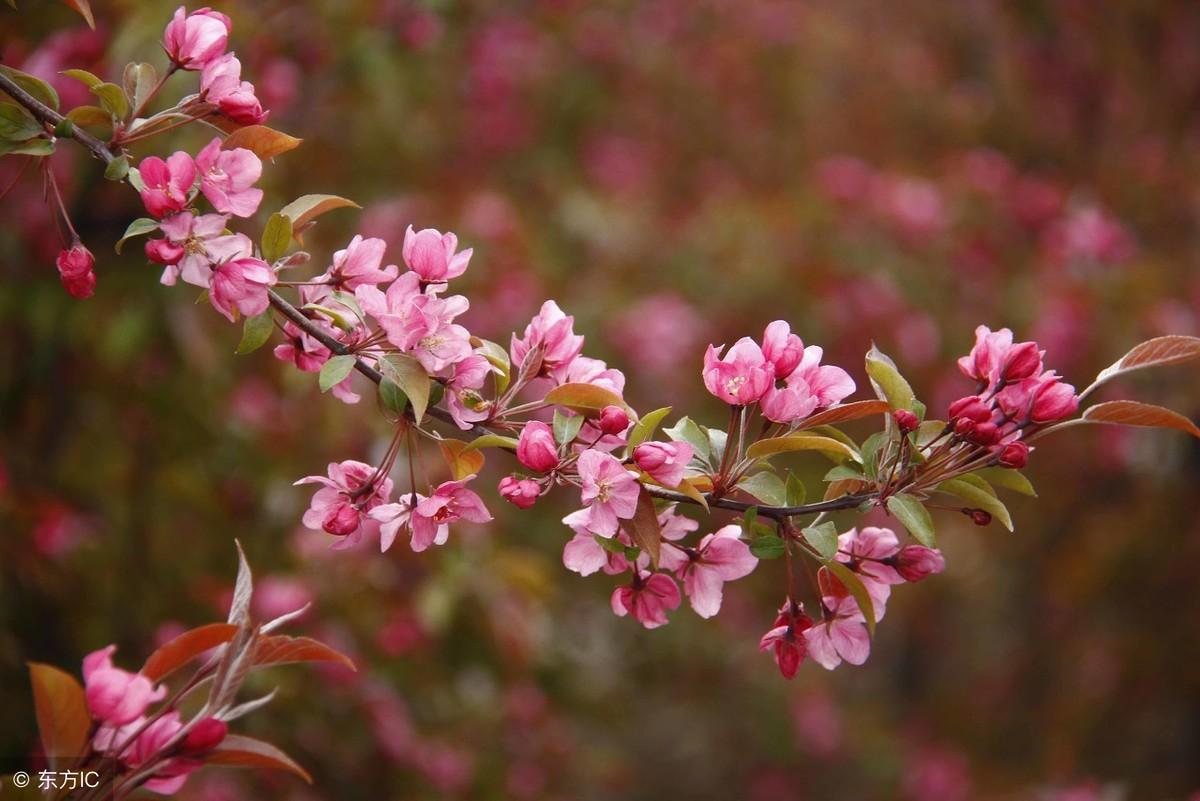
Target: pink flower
(241, 284)
(721, 557)
(116, 696)
(786, 638)
(1014, 455)
(358, 265)
(551, 331)
(841, 634)
(868, 551)
(309, 355)
(467, 405)
(205, 735)
(613, 420)
(609, 491)
(341, 507)
(782, 349)
(536, 448)
(916, 562)
(829, 384)
(167, 184)
(520, 492)
(585, 555)
(193, 40)
(1042, 399)
(429, 520)
(431, 254)
(171, 774)
(648, 598)
(419, 322)
(741, 377)
(185, 250)
(995, 357)
(221, 84)
(789, 403)
(663, 461)
(227, 178)
(75, 271)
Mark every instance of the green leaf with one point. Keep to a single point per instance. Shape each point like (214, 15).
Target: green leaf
(748, 518)
(1009, 479)
(498, 357)
(34, 147)
(335, 371)
(566, 426)
(768, 547)
(857, 591)
(978, 482)
(843, 472)
(392, 398)
(586, 398)
(886, 379)
(491, 441)
(870, 452)
(17, 125)
(112, 98)
(256, 331)
(83, 76)
(610, 544)
(35, 86)
(644, 428)
(307, 208)
(90, 115)
(277, 235)
(915, 517)
(823, 538)
(410, 376)
(140, 226)
(766, 486)
(801, 442)
(139, 80)
(685, 430)
(117, 169)
(794, 490)
(135, 179)
(977, 499)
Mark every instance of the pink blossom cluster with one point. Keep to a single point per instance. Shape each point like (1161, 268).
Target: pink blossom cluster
(197, 41)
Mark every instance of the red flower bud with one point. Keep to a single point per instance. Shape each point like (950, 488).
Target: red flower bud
(75, 270)
(613, 420)
(1024, 360)
(978, 516)
(1014, 455)
(206, 735)
(520, 492)
(971, 408)
(907, 421)
(915, 562)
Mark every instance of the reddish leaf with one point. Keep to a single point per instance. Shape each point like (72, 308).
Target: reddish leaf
(644, 528)
(240, 751)
(462, 462)
(1157, 352)
(84, 9)
(279, 649)
(62, 714)
(186, 647)
(265, 142)
(243, 590)
(587, 399)
(1132, 413)
(847, 411)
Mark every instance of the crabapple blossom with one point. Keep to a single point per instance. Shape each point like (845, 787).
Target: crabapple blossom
(609, 491)
(431, 254)
(75, 270)
(241, 284)
(786, 638)
(357, 264)
(866, 551)
(171, 774)
(720, 557)
(308, 355)
(840, 635)
(906, 421)
(221, 84)
(205, 735)
(467, 406)
(585, 555)
(613, 420)
(167, 185)
(536, 448)
(227, 178)
(647, 598)
(193, 40)
(1041, 399)
(828, 383)
(184, 250)
(1013, 455)
(348, 493)
(995, 357)
(663, 461)
(550, 332)
(114, 696)
(520, 492)
(916, 562)
(782, 349)
(741, 376)
(430, 517)
(789, 403)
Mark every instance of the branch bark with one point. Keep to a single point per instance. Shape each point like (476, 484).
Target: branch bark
(48, 116)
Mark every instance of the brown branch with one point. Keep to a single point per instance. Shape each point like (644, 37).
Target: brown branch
(51, 117)
(48, 116)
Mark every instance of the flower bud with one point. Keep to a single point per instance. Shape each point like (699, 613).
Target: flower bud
(985, 434)
(75, 270)
(978, 516)
(915, 562)
(613, 420)
(907, 421)
(520, 492)
(1054, 401)
(663, 461)
(204, 736)
(1024, 360)
(193, 40)
(782, 349)
(971, 408)
(1014, 455)
(342, 521)
(535, 447)
(163, 251)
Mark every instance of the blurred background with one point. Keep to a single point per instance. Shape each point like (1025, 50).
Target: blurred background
(674, 173)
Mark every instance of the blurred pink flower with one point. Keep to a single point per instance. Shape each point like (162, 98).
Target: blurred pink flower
(116, 696)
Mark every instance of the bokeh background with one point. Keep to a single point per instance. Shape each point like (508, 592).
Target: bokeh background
(673, 172)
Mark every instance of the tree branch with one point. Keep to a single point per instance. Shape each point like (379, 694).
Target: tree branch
(48, 116)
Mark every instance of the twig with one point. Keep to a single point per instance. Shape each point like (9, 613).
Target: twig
(49, 116)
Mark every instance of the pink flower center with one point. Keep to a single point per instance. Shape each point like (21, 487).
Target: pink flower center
(732, 385)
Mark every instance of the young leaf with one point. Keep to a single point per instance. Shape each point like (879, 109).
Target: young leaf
(240, 751)
(823, 538)
(977, 499)
(801, 442)
(112, 99)
(89, 115)
(411, 378)
(243, 590)
(1008, 479)
(685, 430)
(915, 517)
(335, 371)
(1133, 413)
(1157, 352)
(83, 76)
(794, 490)
(587, 399)
(644, 428)
(688, 487)
(277, 235)
(847, 411)
(498, 357)
(307, 208)
(768, 547)
(35, 86)
(566, 426)
(280, 649)
(61, 708)
(256, 331)
(979, 482)
(138, 81)
(766, 486)
(39, 148)
(183, 649)
(117, 169)
(462, 463)
(843, 472)
(140, 226)
(16, 125)
(644, 527)
(886, 379)
(491, 441)
(857, 591)
(264, 142)
(392, 398)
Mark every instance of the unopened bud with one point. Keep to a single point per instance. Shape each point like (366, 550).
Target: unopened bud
(613, 420)
(978, 516)
(907, 421)
(1014, 455)
(915, 562)
(206, 735)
